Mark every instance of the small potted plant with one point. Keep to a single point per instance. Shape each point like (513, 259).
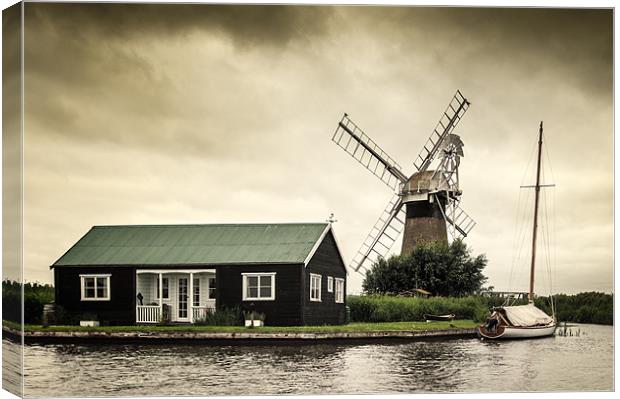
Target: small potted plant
(254, 319)
(89, 320)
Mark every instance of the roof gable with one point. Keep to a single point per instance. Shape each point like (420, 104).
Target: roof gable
(207, 244)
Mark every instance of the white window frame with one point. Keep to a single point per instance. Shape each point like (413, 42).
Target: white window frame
(244, 288)
(313, 285)
(211, 288)
(95, 276)
(166, 284)
(339, 290)
(330, 284)
(196, 293)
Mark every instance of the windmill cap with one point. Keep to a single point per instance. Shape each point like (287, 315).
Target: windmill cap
(425, 181)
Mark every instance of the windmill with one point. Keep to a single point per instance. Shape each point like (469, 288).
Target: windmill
(425, 204)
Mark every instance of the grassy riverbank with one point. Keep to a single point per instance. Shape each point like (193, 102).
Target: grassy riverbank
(352, 327)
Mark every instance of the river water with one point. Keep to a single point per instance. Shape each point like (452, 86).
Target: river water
(573, 363)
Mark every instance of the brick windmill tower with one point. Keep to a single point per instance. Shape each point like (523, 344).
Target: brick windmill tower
(425, 204)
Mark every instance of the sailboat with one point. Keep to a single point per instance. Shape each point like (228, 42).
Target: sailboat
(523, 321)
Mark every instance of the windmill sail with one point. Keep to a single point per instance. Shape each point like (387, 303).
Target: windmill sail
(413, 197)
(460, 220)
(356, 143)
(447, 123)
(382, 235)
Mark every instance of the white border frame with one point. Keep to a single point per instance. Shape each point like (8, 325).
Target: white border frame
(244, 286)
(95, 276)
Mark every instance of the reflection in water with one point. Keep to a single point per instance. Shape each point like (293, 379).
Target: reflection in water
(467, 365)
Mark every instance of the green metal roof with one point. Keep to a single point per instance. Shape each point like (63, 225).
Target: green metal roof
(207, 244)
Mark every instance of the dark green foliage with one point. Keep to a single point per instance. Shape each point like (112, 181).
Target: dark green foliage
(35, 296)
(64, 318)
(60, 317)
(394, 308)
(585, 307)
(223, 317)
(443, 270)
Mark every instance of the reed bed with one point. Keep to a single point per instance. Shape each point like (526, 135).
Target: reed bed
(379, 309)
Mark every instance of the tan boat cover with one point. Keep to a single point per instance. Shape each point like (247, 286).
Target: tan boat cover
(526, 315)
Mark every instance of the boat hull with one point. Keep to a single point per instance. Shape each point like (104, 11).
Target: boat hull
(432, 317)
(509, 332)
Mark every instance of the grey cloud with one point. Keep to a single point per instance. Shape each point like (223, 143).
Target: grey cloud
(246, 25)
(224, 114)
(91, 55)
(576, 43)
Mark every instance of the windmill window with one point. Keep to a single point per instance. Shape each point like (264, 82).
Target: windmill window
(259, 286)
(315, 287)
(330, 284)
(95, 287)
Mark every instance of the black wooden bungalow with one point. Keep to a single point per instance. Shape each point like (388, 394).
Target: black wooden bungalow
(292, 273)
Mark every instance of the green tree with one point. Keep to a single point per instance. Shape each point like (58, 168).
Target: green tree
(444, 270)
(35, 295)
(585, 307)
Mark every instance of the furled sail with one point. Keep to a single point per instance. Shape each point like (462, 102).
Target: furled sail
(526, 315)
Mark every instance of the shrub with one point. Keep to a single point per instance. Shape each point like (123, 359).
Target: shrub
(88, 316)
(35, 296)
(64, 318)
(361, 307)
(223, 317)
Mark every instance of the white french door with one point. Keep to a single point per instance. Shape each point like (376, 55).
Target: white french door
(182, 299)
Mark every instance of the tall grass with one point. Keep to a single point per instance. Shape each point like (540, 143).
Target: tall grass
(223, 317)
(394, 308)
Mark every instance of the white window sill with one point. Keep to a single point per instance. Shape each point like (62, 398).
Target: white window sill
(259, 299)
(94, 299)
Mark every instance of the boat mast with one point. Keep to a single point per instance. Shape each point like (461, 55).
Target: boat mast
(536, 196)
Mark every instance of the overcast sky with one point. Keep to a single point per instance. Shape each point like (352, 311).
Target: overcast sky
(155, 114)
